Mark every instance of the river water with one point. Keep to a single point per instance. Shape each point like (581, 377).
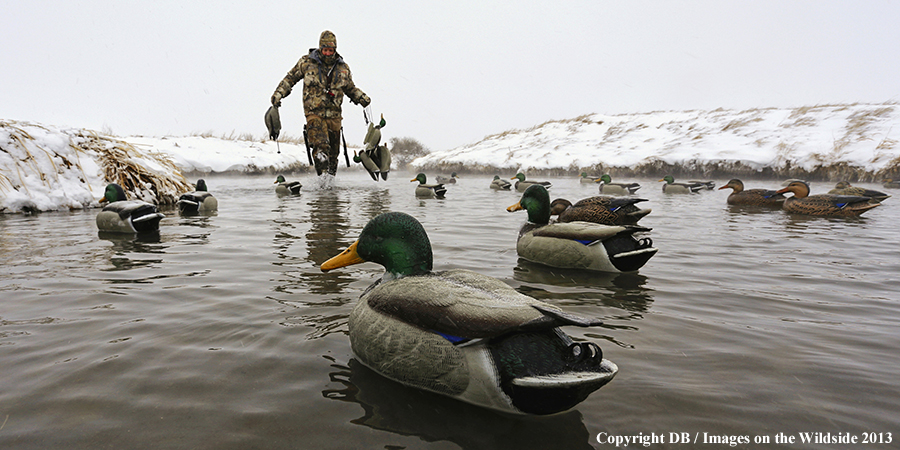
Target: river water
(221, 332)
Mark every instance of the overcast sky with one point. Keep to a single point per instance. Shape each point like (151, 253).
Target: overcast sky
(445, 73)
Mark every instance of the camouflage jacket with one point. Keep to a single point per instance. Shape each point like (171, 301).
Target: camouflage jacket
(323, 87)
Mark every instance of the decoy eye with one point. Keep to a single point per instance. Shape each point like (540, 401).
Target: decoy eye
(576, 350)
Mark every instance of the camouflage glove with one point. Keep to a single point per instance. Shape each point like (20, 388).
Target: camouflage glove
(364, 100)
(276, 99)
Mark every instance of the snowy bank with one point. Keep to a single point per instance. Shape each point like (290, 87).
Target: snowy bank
(856, 142)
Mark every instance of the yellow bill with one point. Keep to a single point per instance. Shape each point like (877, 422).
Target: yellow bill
(346, 258)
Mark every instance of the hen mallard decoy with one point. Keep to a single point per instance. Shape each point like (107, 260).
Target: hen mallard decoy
(587, 179)
(605, 210)
(671, 187)
(608, 187)
(521, 185)
(198, 201)
(824, 204)
(286, 187)
(888, 183)
(446, 180)
(500, 184)
(375, 158)
(758, 197)
(462, 334)
(424, 190)
(577, 245)
(126, 216)
(845, 188)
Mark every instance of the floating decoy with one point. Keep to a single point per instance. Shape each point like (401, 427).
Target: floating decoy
(287, 188)
(521, 185)
(605, 210)
(890, 184)
(824, 204)
(446, 180)
(375, 158)
(126, 216)
(500, 184)
(844, 188)
(610, 188)
(758, 197)
(424, 190)
(577, 245)
(709, 185)
(587, 179)
(671, 187)
(198, 201)
(462, 334)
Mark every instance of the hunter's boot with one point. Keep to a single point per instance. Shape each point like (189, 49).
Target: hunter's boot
(334, 140)
(321, 160)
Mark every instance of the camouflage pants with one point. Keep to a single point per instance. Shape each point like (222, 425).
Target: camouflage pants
(324, 136)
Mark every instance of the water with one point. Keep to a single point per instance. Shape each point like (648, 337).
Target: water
(222, 333)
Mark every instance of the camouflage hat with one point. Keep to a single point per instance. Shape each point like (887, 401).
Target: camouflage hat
(327, 39)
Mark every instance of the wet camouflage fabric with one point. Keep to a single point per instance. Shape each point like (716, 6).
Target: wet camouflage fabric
(324, 137)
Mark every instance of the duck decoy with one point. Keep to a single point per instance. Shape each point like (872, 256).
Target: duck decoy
(198, 201)
(757, 197)
(273, 124)
(375, 158)
(608, 187)
(845, 188)
(424, 190)
(462, 334)
(604, 209)
(671, 187)
(521, 184)
(126, 216)
(577, 245)
(500, 184)
(287, 187)
(824, 204)
(446, 180)
(889, 183)
(587, 179)
(709, 185)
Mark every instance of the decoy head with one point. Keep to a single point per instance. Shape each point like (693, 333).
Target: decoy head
(382, 123)
(201, 185)
(113, 193)
(799, 188)
(280, 179)
(669, 179)
(420, 178)
(842, 185)
(520, 176)
(735, 184)
(536, 201)
(605, 178)
(395, 240)
(559, 205)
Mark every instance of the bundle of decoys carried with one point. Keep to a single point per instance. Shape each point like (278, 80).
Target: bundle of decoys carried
(375, 157)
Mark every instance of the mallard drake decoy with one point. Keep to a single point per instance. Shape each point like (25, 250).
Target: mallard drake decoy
(709, 185)
(273, 124)
(587, 179)
(126, 216)
(500, 184)
(198, 201)
(671, 187)
(605, 210)
(375, 158)
(446, 180)
(285, 187)
(824, 204)
(845, 188)
(462, 334)
(888, 183)
(521, 185)
(758, 197)
(424, 190)
(610, 188)
(577, 245)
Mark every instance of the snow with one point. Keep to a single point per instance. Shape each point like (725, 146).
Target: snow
(45, 168)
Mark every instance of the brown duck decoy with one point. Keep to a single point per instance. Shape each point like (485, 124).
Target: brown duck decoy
(844, 188)
(756, 197)
(890, 184)
(602, 209)
(824, 204)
